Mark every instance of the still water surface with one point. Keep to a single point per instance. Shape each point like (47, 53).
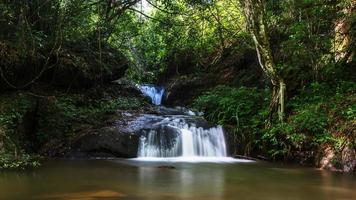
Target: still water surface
(129, 180)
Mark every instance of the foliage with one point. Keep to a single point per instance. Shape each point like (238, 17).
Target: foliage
(180, 29)
(84, 43)
(42, 39)
(243, 108)
(24, 161)
(60, 116)
(315, 115)
(12, 111)
(303, 38)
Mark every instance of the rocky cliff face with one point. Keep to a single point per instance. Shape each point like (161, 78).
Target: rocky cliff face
(185, 80)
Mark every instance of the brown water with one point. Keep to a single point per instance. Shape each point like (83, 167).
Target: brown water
(134, 180)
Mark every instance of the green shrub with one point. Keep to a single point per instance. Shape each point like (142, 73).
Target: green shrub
(12, 111)
(60, 116)
(244, 109)
(22, 161)
(313, 116)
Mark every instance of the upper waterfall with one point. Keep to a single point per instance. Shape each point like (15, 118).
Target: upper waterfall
(154, 92)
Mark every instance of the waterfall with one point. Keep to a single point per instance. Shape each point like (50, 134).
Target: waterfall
(154, 92)
(183, 140)
(178, 134)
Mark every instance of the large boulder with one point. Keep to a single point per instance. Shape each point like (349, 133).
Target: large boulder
(104, 142)
(183, 89)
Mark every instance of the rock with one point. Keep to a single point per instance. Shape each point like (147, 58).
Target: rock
(162, 110)
(247, 157)
(344, 161)
(106, 142)
(128, 87)
(183, 84)
(348, 158)
(184, 89)
(166, 167)
(121, 137)
(326, 161)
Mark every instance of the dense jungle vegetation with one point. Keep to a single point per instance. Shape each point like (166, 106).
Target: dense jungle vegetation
(279, 75)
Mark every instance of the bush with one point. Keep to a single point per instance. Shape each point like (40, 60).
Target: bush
(319, 114)
(61, 115)
(244, 109)
(12, 111)
(22, 161)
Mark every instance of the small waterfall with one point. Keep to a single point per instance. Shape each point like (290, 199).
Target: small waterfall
(183, 140)
(154, 92)
(178, 133)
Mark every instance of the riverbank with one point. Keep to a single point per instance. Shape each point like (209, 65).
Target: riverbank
(47, 121)
(58, 124)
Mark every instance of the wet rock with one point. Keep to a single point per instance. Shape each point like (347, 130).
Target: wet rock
(128, 88)
(121, 137)
(162, 110)
(166, 167)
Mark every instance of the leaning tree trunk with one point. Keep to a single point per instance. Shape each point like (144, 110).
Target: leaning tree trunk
(255, 14)
(343, 40)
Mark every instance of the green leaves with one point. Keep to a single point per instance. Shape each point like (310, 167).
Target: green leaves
(316, 116)
(23, 161)
(245, 109)
(226, 105)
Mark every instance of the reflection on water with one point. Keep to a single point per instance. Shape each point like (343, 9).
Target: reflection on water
(185, 182)
(155, 181)
(101, 194)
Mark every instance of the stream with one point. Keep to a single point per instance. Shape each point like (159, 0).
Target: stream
(179, 156)
(128, 180)
(179, 135)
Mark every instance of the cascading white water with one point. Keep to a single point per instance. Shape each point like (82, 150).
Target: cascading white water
(187, 141)
(177, 134)
(155, 93)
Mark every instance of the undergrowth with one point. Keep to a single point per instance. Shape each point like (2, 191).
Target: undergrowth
(320, 114)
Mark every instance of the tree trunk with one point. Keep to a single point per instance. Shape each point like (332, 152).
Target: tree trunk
(255, 14)
(343, 40)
